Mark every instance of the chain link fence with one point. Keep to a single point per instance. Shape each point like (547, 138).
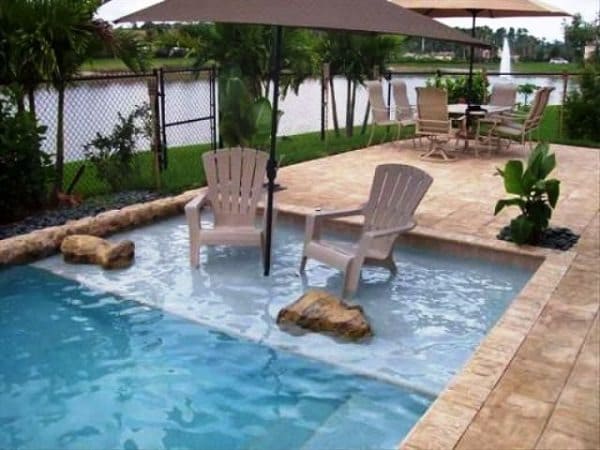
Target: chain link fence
(113, 129)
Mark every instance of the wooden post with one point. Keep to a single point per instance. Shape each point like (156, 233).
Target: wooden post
(565, 78)
(155, 138)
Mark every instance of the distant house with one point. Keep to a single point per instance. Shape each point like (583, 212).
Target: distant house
(590, 49)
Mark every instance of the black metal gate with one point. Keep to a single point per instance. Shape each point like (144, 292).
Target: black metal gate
(168, 81)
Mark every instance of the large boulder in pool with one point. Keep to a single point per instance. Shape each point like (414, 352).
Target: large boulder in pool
(81, 248)
(322, 312)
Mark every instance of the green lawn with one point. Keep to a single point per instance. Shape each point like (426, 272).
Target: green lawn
(185, 169)
(524, 67)
(116, 65)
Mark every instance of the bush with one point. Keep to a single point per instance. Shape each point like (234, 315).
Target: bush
(113, 154)
(582, 118)
(536, 196)
(24, 167)
(457, 88)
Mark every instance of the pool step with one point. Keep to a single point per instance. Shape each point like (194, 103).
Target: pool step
(362, 423)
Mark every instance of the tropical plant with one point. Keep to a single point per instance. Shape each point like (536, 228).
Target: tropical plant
(458, 88)
(526, 89)
(54, 46)
(582, 106)
(23, 164)
(113, 155)
(536, 196)
(243, 120)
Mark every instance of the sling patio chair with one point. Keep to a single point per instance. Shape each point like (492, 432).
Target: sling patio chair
(503, 94)
(380, 112)
(514, 127)
(235, 185)
(396, 192)
(434, 123)
(405, 112)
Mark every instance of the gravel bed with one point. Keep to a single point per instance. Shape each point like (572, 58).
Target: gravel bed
(91, 207)
(554, 238)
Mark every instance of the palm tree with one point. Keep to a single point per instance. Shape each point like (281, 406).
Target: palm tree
(54, 45)
(356, 57)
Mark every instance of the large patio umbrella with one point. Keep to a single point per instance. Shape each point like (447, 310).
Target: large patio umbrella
(479, 8)
(378, 16)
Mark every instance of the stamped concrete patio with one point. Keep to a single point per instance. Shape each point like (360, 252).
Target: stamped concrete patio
(534, 381)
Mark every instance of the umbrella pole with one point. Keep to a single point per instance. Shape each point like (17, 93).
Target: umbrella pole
(471, 59)
(272, 163)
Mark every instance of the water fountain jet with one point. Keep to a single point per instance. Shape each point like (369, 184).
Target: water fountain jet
(505, 61)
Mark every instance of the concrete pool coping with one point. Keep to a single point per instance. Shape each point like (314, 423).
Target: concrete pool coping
(521, 385)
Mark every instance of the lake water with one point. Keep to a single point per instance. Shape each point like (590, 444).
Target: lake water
(93, 107)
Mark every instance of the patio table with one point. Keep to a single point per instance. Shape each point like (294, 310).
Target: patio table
(460, 109)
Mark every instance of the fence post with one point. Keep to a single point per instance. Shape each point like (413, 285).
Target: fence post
(163, 118)
(565, 78)
(154, 107)
(325, 74)
(213, 106)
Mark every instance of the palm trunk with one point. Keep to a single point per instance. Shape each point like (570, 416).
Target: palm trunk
(31, 99)
(348, 107)
(353, 106)
(365, 123)
(336, 124)
(60, 140)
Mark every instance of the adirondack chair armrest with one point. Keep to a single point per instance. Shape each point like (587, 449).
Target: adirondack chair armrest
(314, 220)
(192, 209)
(390, 231)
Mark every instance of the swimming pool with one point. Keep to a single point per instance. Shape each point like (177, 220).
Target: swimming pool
(118, 359)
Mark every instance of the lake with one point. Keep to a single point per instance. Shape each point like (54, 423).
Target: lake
(93, 106)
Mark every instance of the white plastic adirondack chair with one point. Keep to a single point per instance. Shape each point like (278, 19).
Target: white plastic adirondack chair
(395, 194)
(235, 185)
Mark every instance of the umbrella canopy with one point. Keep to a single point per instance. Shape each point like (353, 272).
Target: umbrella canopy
(489, 8)
(379, 16)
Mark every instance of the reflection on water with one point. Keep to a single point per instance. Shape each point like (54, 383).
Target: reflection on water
(92, 107)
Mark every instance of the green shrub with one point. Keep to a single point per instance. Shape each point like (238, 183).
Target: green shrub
(526, 89)
(582, 107)
(113, 154)
(24, 167)
(536, 196)
(458, 89)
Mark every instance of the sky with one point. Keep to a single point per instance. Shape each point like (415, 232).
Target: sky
(541, 27)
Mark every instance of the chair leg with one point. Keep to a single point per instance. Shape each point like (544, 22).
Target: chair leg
(194, 250)
(351, 278)
(371, 135)
(303, 263)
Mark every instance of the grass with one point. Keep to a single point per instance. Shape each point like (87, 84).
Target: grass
(116, 65)
(524, 67)
(185, 169)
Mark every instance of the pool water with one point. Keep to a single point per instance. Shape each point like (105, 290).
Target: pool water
(160, 355)
(84, 369)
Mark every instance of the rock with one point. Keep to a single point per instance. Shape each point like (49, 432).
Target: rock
(322, 312)
(81, 248)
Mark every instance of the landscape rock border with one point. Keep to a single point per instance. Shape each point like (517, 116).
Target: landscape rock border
(45, 242)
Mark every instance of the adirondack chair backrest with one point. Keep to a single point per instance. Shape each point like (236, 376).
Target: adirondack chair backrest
(235, 184)
(403, 109)
(504, 94)
(379, 109)
(395, 194)
(432, 105)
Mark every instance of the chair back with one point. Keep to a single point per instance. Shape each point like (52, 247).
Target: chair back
(403, 109)
(538, 106)
(395, 194)
(432, 110)
(379, 109)
(504, 94)
(235, 184)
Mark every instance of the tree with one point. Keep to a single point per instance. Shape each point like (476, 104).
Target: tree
(55, 45)
(578, 33)
(356, 57)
